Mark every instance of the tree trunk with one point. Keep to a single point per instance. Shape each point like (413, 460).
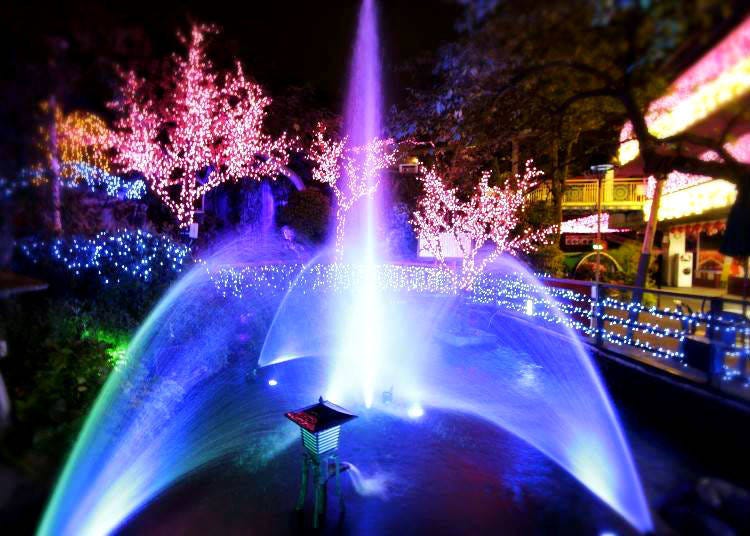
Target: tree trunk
(54, 167)
(558, 184)
(648, 239)
(515, 164)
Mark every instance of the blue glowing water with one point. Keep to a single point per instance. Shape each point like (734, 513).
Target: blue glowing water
(187, 395)
(527, 374)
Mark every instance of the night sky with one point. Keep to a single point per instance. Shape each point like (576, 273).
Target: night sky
(303, 43)
(291, 42)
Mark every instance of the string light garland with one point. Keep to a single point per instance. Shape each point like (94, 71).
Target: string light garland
(83, 137)
(352, 172)
(80, 175)
(9, 188)
(112, 256)
(492, 215)
(96, 178)
(588, 225)
(80, 137)
(205, 131)
(677, 180)
(621, 322)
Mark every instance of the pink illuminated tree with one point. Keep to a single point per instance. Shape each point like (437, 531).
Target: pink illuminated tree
(206, 129)
(492, 215)
(352, 172)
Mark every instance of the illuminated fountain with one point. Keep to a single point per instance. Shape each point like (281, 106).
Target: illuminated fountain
(359, 355)
(249, 334)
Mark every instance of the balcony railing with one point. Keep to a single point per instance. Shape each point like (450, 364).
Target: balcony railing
(623, 194)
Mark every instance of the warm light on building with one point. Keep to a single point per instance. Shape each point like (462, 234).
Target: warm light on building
(694, 200)
(717, 79)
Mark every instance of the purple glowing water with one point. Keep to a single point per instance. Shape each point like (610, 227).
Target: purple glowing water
(363, 121)
(362, 118)
(359, 351)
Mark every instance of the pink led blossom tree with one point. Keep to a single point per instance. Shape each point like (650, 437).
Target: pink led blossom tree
(352, 172)
(491, 215)
(205, 130)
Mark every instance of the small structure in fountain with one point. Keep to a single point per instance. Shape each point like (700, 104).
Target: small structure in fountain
(321, 426)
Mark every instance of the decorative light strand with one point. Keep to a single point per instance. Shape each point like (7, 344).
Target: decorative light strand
(621, 322)
(588, 225)
(78, 174)
(717, 79)
(113, 257)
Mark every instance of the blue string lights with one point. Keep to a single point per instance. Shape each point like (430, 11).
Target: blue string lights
(112, 256)
(96, 178)
(649, 329)
(659, 333)
(77, 175)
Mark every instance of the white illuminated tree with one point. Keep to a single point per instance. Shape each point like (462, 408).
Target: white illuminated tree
(492, 215)
(206, 129)
(352, 172)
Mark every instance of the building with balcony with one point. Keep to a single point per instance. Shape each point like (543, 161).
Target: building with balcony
(619, 195)
(710, 99)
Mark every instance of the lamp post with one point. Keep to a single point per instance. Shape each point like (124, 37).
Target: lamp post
(320, 425)
(600, 171)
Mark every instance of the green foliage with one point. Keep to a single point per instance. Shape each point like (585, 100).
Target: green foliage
(559, 77)
(61, 351)
(627, 256)
(537, 215)
(548, 260)
(308, 213)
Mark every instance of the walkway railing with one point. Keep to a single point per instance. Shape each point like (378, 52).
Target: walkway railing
(705, 339)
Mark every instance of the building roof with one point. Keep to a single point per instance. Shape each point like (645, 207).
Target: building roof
(718, 79)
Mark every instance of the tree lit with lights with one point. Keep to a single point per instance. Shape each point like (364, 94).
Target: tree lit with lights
(352, 172)
(491, 215)
(206, 129)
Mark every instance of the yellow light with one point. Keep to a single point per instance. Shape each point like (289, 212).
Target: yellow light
(694, 200)
(698, 93)
(628, 151)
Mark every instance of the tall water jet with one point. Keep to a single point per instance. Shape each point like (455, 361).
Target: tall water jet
(359, 353)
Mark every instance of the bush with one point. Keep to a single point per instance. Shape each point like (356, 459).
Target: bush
(58, 360)
(308, 213)
(627, 256)
(548, 260)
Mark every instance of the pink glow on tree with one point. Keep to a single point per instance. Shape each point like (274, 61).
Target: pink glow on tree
(206, 130)
(351, 172)
(677, 180)
(491, 215)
